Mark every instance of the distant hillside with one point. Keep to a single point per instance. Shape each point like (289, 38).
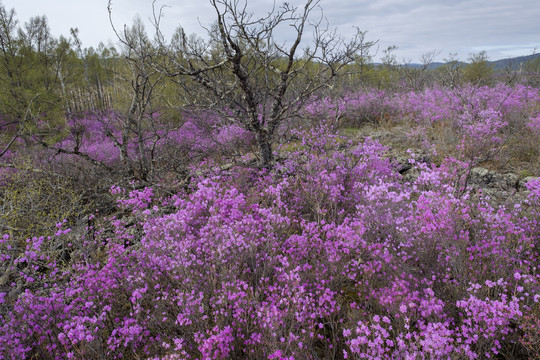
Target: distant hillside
(514, 63)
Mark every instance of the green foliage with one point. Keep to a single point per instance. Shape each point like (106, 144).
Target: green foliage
(29, 81)
(532, 65)
(478, 71)
(532, 71)
(45, 81)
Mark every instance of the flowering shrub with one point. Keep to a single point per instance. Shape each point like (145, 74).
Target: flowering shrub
(438, 104)
(98, 137)
(534, 124)
(354, 109)
(471, 123)
(331, 254)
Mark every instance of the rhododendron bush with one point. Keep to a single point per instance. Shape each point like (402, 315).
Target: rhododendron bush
(98, 137)
(472, 123)
(330, 254)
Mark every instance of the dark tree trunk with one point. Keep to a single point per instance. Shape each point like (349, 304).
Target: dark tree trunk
(265, 149)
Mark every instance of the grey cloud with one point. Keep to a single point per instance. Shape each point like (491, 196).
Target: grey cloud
(462, 27)
(415, 26)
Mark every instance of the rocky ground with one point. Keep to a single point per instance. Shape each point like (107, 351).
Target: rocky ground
(501, 182)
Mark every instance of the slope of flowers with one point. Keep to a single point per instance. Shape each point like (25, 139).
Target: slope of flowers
(329, 255)
(430, 106)
(472, 123)
(439, 104)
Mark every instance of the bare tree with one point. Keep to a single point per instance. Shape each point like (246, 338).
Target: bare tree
(245, 75)
(451, 73)
(144, 86)
(417, 76)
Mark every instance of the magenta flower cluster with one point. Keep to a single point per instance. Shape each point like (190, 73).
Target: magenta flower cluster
(99, 137)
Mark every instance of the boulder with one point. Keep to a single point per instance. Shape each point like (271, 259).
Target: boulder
(483, 178)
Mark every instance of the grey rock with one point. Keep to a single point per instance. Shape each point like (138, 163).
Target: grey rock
(505, 182)
(483, 178)
(411, 174)
(479, 172)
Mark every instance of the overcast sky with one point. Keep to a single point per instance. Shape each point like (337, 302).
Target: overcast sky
(503, 28)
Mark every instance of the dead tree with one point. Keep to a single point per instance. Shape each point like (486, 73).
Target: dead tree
(144, 86)
(417, 77)
(243, 73)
